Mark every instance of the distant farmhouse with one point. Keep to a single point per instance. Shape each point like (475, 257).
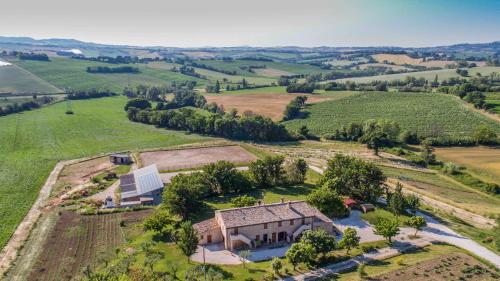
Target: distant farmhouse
(251, 227)
(142, 187)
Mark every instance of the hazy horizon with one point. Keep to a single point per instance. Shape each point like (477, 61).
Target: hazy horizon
(224, 23)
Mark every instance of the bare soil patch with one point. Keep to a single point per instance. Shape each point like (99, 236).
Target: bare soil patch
(77, 241)
(79, 173)
(195, 157)
(458, 266)
(266, 104)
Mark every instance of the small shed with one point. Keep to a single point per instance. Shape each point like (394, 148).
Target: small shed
(367, 208)
(350, 203)
(120, 159)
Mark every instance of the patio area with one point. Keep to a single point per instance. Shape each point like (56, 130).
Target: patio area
(216, 254)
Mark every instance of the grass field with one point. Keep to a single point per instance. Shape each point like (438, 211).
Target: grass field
(482, 162)
(421, 112)
(282, 66)
(32, 142)
(429, 75)
(14, 79)
(71, 74)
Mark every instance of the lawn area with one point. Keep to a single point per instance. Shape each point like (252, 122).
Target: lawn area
(71, 74)
(412, 111)
(14, 79)
(443, 189)
(32, 142)
(380, 213)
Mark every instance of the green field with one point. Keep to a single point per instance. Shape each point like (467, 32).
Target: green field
(420, 112)
(32, 142)
(493, 100)
(429, 75)
(71, 74)
(14, 79)
(283, 66)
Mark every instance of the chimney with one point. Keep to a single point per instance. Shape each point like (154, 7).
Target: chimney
(289, 205)
(259, 202)
(282, 200)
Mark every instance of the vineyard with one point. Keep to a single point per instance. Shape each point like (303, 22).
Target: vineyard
(77, 241)
(425, 113)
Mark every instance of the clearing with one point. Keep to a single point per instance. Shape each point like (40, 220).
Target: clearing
(49, 135)
(448, 115)
(267, 104)
(14, 79)
(483, 162)
(178, 159)
(78, 241)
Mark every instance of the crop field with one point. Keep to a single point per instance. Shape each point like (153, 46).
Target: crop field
(390, 66)
(271, 72)
(493, 100)
(483, 162)
(424, 113)
(32, 142)
(77, 241)
(283, 66)
(177, 159)
(14, 79)
(397, 59)
(267, 104)
(71, 74)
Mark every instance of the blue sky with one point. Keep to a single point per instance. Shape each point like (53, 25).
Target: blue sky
(190, 23)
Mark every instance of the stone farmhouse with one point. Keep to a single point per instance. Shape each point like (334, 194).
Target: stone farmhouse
(255, 226)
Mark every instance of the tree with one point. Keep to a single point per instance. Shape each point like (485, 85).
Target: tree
(244, 255)
(217, 87)
(268, 171)
(138, 103)
(277, 265)
(160, 221)
(417, 222)
(300, 253)
(396, 203)
(350, 239)
(354, 177)
(243, 201)
(183, 195)
(296, 171)
(222, 177)
(187, 239)
(153, 257)
(328, 202)
(321, 241)
(485, 135)
(387, 228)
(412, 203)
(427, 153)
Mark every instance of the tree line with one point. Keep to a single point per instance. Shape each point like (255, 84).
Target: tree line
(107, 69)
(88, 94)
(117, 59)
(37, 102)
(33, 56)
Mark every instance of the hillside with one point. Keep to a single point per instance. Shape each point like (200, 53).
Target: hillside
(420, 112)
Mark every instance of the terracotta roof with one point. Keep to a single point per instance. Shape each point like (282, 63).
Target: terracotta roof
(349, 202)
(269, 213)
(206, 225)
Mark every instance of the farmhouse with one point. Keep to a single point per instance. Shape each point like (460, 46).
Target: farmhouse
(142, 187)
(251, 227)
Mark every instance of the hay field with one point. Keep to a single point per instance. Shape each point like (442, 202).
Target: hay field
(483, 162)
(32, 142)
(271, 72)
(177, 159)
(14, 79)
(267, 104)
(397, 59)
(391, 66)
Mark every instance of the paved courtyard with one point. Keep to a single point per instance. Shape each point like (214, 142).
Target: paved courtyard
(216, 254)
(364, 229)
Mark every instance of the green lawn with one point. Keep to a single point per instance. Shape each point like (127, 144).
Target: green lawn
(379, 213)
(14, 79)
(424, 113)
(71, 74)
(32, 142)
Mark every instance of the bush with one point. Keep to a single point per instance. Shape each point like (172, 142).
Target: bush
(243, 201)
(451, 168)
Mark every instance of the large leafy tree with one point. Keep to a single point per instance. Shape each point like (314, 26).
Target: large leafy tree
(300, 253)
(183, 194)
(186, 238)
(321, 241)
(223, 178)
(268, 172)
(328, 202)
(354, 177)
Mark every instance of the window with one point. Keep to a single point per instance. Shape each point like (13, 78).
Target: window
(257, 237)
(303, 220)
(291, 222)
(201, 237)
(279, 224)
(235, 231)
(265, 226)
